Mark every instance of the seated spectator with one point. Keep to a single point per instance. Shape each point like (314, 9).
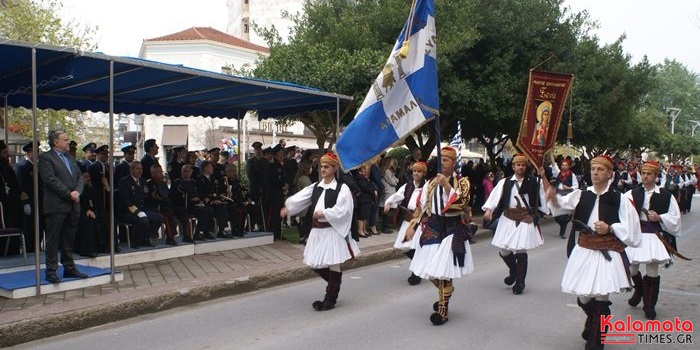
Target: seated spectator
(133, 210)
(186, 201)
(210, 190)
(240, 204)
(159, 199)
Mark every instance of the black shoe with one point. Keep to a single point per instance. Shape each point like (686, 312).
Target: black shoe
(387, 230)
(187, 240)
(51, 277)
(209, 236)
(74, 273)
(414, 280)
(562, 236)
(89, 255)
(170, 241)
(148, 244)
(223, 235)
(117, 249)
(237, 234)
(438, 320)
(135, 246)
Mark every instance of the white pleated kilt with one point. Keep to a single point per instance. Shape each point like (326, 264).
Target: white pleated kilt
(406, 246)
(508, 236)
(325, 247)
(436, 261)
(588, 273)
(651, 249)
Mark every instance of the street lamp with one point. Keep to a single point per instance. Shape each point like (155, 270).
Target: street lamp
(673, 113)
(695, 124)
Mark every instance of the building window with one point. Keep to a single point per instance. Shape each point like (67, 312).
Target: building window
(246, 27)
(245, 2)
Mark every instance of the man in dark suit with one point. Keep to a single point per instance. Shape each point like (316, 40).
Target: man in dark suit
(148, 159)
(63, 184)
(122, 169)
(25, 177)
(133, 210)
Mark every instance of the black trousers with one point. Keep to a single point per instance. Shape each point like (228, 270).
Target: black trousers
(145, 228)
(60, 234)
(204, 215)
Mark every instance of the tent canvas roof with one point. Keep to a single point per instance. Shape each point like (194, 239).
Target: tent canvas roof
(71, 79)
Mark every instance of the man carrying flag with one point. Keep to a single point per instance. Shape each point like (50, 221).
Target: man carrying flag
(402, 98)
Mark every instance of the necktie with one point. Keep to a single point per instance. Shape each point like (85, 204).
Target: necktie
(65, 161)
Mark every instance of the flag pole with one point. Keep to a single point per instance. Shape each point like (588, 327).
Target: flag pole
(438, 142)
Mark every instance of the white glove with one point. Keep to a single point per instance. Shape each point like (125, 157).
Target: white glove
(27, 209)
(141, 214)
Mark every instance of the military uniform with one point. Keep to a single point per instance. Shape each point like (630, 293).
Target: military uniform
(25, 177)
(186, 200)
(133, 210)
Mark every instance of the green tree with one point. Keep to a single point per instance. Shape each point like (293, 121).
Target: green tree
(608, 96)
(38, 21)
(336, 46)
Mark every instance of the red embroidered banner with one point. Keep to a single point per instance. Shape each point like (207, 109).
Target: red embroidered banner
(544, 105)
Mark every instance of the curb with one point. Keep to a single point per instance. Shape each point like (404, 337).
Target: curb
(52, 325)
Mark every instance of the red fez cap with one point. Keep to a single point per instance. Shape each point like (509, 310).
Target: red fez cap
(449, 152)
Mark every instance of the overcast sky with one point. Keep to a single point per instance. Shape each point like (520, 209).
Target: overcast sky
(658, 28)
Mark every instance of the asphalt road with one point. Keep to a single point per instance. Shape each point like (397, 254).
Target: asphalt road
(377, 309)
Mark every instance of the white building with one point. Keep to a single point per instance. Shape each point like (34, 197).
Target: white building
(203, 48)
(212, 50)
(242, 14)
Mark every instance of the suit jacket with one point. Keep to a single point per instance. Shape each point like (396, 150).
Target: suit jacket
(59, 183)
(147, 162)
(120, 171)
(132, 196)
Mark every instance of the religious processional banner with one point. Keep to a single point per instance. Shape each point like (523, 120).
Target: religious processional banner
(402, 98)
(544, 106)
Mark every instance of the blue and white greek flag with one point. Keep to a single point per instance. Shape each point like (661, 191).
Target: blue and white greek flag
(456, 143)
(402, 98)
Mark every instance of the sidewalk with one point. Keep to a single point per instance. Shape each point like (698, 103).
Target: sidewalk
(156, 286)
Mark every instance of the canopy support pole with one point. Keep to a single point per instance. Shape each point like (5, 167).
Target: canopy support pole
(111, 222)
(238, 139)
(35, 184)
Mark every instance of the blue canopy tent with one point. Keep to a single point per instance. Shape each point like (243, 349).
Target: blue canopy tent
(39, 76)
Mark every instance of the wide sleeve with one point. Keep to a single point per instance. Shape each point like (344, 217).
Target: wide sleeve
(565, 204)
(494, 197)
(628, 229)
(299, 201)
(671, 220)
(543, 199)
(395, 199)
(340, 215)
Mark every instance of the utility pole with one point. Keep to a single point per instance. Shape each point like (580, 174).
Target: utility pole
(693, 126)
(673, 113)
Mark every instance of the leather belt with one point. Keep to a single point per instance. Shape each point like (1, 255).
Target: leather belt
(601, 242)
(319, 224)
(518, 215)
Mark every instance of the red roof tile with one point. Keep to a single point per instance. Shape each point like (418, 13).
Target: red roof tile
(208, 33)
